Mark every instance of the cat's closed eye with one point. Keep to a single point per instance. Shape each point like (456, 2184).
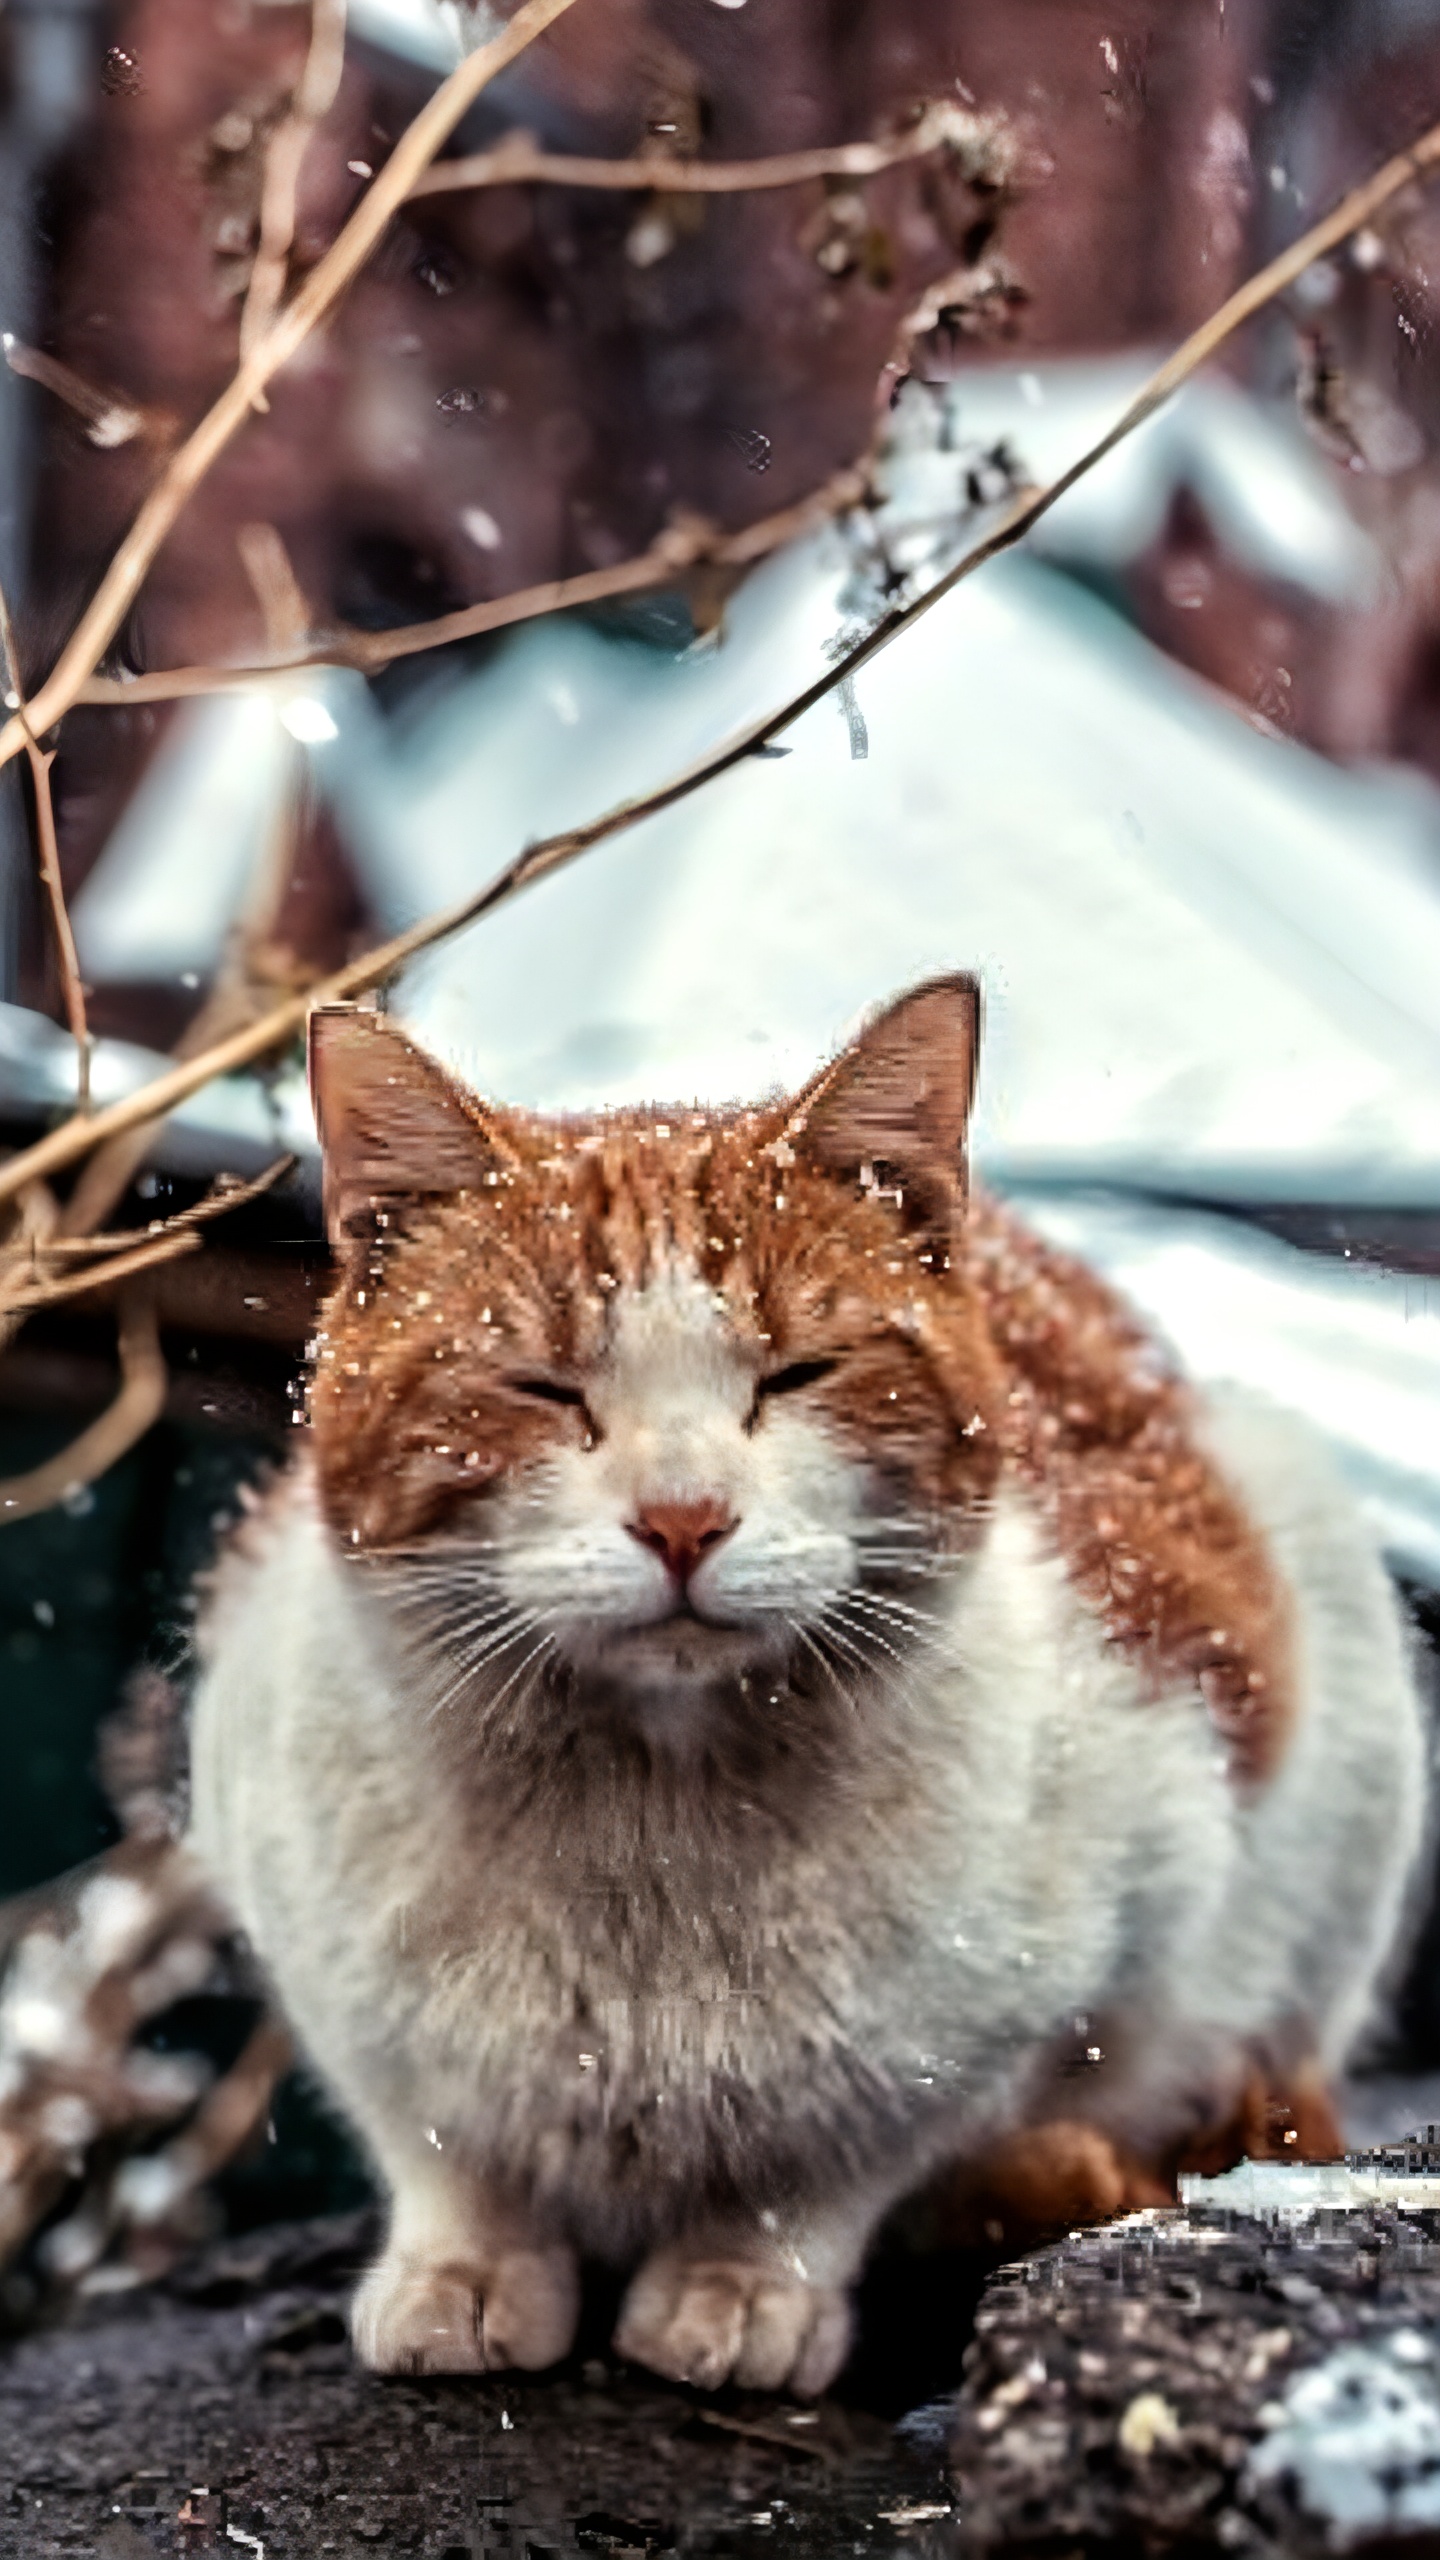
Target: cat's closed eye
(789, 1381)
(548, 1391)
(545, 1390)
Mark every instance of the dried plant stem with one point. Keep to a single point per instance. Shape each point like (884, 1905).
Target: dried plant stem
(119, 1257)
(258, 1039)
(686, 544)
(517, 161)
(48, 848)
(322, 288)
(71, 982)
(112, 1267)
(108, 422)
(229, 2113)
(35, 2166)
(108, 1175)
(104, 1993)
(314, 97)
(131, 1245)
(278, 592)
(140, 1401)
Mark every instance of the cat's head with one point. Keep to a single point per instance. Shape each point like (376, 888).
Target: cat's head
(667, 1397)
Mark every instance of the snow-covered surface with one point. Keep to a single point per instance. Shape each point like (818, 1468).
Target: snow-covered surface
(159, 906)
(1270, 499)
(235, 1124)
(1212, 961)
(1357, 2437)
(1295, 2191)
(424, 31)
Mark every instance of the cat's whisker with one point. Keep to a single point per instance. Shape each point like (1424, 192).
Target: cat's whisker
(845, 1645)
(922, 1565)
(832, 1676)
(482, 1580)
(860, 1644)
(489, 1645)
(916, 1630)
(426, 1550)
(512, 1724)
(468, 1663)
(467, 1612)
(467, 1636)
(495, 1700)
(889, 1604)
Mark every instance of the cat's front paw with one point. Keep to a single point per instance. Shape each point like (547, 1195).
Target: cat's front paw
(415, 2316)
(713, 2320)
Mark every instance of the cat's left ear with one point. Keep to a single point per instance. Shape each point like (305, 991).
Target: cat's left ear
(393, 1125)
(898, 1101)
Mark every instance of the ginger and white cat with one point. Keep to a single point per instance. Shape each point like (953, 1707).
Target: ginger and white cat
(764, 1689)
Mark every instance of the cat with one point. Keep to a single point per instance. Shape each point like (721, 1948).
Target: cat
(763, 1693)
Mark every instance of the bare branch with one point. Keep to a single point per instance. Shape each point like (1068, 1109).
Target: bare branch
(94, 1980)
(278, 592)
(983, 144)
(88, 1964)
(140, 1402)
(119, 1257)
(48, 848)
(322, 288)
(110, 1268)
(72, 985)
(227, 1193)
(282, 1023)
(314, 97)
(222, 2124)
(685, 544)
(108, 422)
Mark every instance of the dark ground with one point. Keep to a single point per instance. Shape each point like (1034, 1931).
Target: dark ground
(1113, 2392)
(225, 2405)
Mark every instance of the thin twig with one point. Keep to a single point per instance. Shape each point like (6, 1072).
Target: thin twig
(322, 288)
(102, 1992)
(119, 1257)
(278, 592)
(687, 543)
(140, 1401)
(72, 984)
(48, 849)
(112, 1168)
(313, 99)
(227, 2116)
(758, 2433)
(66, 1145)
(225, 1195)
(92, 1960)
(108, 422)
(120, 1266)
(517, 161)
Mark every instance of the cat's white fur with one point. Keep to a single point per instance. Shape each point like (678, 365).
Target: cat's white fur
(663, 2018)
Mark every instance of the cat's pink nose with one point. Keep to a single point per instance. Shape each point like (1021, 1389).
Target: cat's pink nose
(681, 1532)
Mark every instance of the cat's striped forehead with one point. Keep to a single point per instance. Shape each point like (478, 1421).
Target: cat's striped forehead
(622, 1203)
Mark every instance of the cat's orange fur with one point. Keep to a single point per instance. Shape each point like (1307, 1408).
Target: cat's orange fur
(967, 1346)
(763, 1692)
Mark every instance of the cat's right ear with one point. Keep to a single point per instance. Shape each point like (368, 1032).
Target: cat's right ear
(897, 1102)
(393, 1125)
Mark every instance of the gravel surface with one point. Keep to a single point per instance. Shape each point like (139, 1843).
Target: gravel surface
(1209, 2381)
